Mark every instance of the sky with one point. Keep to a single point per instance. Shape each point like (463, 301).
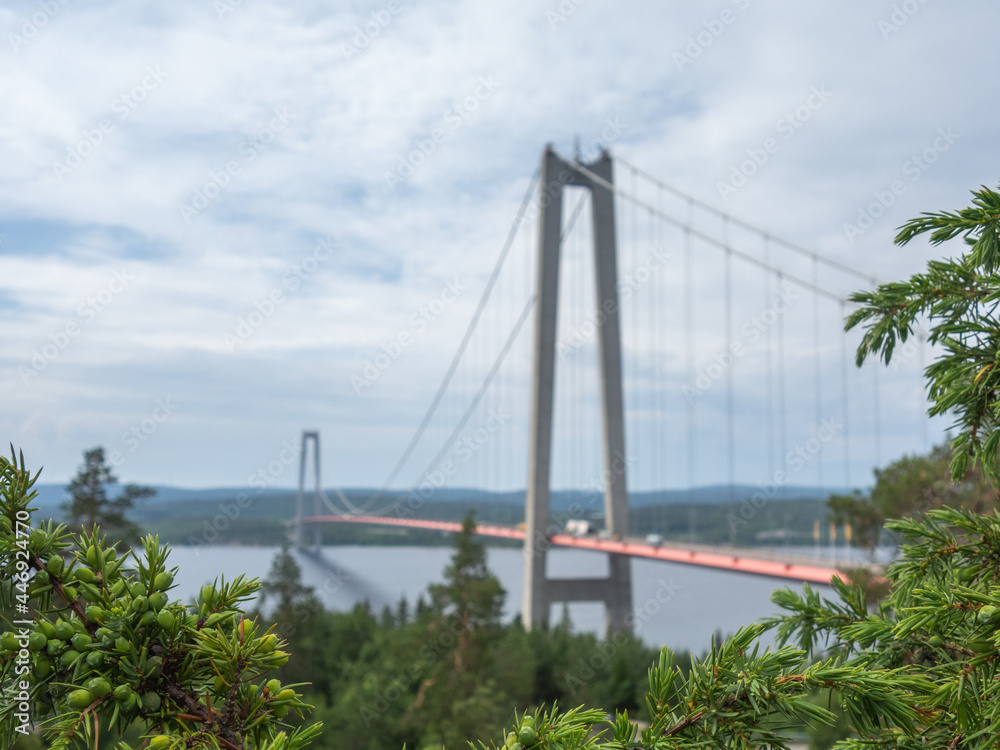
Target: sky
(214, 214)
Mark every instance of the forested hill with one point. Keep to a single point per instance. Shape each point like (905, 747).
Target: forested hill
(51, 495)
(241, 516)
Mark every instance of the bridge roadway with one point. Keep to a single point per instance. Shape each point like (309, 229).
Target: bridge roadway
(746, 561)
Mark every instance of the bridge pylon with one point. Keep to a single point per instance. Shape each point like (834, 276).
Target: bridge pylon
(540, 592)
(299, 530)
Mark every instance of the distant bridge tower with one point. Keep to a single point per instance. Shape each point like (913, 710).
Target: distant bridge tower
(300, 541)
(539, 590)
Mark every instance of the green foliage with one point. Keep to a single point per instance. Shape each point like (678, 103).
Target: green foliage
(105, 650)
(959, 298)
(939, 625)
(90, 505)
(738, 696)
(912, 484)
(919, 671)
(284, 583)
(777, 521)
(295, 618)
(450, 671)
(471, 593)
(455, 696)
(864, 516)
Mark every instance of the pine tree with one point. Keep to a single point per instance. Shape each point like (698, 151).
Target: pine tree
(296, 615)
(90, 505)
(471, 592)
(403, 612)
(959, 300)
(284, 584)
(457, 697)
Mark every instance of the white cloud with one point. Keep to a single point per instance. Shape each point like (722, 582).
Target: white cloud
(324, 175)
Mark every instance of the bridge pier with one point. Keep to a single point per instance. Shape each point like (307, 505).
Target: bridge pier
(540, 592)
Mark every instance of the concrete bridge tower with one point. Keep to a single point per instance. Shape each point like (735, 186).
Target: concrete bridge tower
(300, 541)
(540, 592)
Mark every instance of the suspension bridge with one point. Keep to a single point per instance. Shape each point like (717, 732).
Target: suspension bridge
(769, 564)
(673, 346)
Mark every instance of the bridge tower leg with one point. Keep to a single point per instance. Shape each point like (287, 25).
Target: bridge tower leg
(300, 541)
(540, 592)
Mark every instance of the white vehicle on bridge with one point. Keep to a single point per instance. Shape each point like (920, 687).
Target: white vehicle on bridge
(654, 540)
(579, 527)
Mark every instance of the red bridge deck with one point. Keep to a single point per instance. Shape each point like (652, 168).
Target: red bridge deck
(721, 560)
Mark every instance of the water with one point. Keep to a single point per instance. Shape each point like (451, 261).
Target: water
(677, 605)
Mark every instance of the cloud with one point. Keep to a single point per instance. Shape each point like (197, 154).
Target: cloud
(320, 171)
